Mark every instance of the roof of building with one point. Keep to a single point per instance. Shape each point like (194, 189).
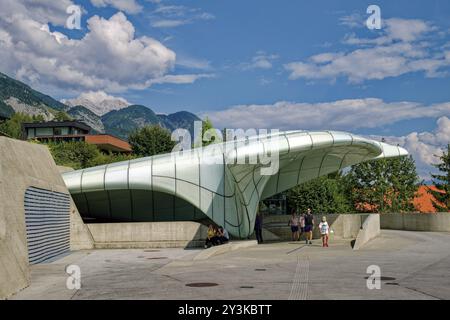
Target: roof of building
(108, 142)
(55, 124)
(225, 188)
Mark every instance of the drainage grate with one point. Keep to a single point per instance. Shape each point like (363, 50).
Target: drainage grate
(392, 283)
(246, 287)
(156, 258)
(201, 284)
(151, 250)
(260, 269)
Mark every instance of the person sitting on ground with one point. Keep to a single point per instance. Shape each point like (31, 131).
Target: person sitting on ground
(216, 239)
(210, 237)
(309, 225)
(224, 237)
(324, 230)
(293, 223)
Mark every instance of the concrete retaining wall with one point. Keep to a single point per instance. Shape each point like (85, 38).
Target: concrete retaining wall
(370, 230)
(344, 226)
(416, 221)
(23, 165)
(148, 234)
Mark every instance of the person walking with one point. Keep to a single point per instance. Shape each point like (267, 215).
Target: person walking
(293, 223)
(309, 226)
(324, 230)
(258, 227)
(301, 224)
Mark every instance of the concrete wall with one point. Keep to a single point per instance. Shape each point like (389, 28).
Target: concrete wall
(416, 221)
(148, 234)
(80, 236)
(23, 165)
(370, 230)
(344, 226)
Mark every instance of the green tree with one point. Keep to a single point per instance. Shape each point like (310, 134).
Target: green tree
(385, 185)
(442, 182)
(13, 126)
(80, 155)
(75, 154)
(62, 116)
(209, 135)
(106, 158)
(325, 194)
(151, 140)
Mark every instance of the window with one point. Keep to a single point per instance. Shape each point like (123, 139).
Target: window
(44, 132)
(64, 131)
(30, 133)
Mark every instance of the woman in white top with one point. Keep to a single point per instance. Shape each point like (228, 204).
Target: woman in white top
(293, 223)
(324, 230)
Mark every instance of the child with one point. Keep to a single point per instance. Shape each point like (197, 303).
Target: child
(324, 230)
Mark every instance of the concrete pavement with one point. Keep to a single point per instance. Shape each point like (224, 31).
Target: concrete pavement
(417, 264)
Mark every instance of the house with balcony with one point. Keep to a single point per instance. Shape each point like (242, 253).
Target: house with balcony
(65, 131)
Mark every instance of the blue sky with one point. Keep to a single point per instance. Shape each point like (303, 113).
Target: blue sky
(290, 30)
(263, 64)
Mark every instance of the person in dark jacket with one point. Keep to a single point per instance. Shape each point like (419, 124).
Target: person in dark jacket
(309, 226)
(258, 227)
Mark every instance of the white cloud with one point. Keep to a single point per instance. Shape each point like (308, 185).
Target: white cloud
(425, 147)
(128, 6)
(192, 63)
(400, 49)
(171, 16)
(355, 20)
(347, 115)
(166, 23)
(407, 29)
(180, 79)
(260, 61)
(108, 57)
(42, 11)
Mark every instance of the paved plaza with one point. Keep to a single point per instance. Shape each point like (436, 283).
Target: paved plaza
(414, 265)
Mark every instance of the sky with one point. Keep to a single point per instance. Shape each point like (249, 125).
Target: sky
(287, 65)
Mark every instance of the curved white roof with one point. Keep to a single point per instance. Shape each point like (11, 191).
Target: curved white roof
(218, 180)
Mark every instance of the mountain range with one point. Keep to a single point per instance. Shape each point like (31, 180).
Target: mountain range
(98, 102)
(111, 116)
